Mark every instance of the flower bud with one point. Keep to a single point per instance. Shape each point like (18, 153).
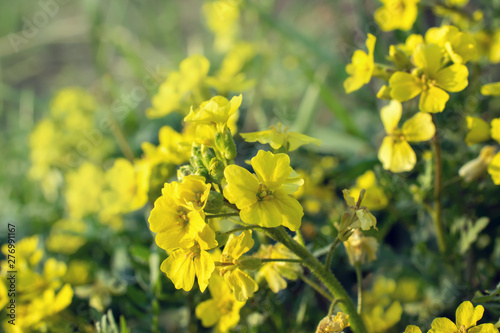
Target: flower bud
(216, 170)
(214, 202)
(333, 324)
(225, 144)
(184, 170)
(399, 58)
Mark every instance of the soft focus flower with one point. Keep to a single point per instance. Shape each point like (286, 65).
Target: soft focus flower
(395, 153)
(360, 69)
(374, 198)
(491, 89)
(361, 249)
(263, 198)
(477, 167)
(459, 46)
(479, 130)
(397, 14)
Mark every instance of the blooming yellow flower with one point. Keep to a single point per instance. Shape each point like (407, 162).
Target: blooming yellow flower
(222, 310)
(217, 111)
(479, 130)
(222, 19)
(360, 69)
(397, 14)
(184, 264)
(174, 218)
(395, 153)
(375, 198)
(66, 236)
(467, 317)
(279, 136)
(240, 282)
(431, 80)
(263, 198)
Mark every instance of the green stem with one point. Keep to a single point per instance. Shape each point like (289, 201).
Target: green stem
(317, 287)
(329, 256)
(359, 277)
(438, 205)
(328, 279)
(249, 227)
(215, 216)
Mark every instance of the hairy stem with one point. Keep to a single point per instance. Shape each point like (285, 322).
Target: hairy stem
(359, 277)
(328, 279)
(329, 256)
(317, 287)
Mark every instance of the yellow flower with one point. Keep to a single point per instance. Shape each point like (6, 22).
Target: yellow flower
(263, 198)
(184, 264)
(83, 190)
(174, 218)
(357, 216)
(494, 169)
(375, 198)
(275, 272)
(479, 130)
(360, 69)
(397, 14)
(279, 137)
(240, 282)
(66, 236)
(477, 167)
(333, 324)
(467, 317)
(491, 89)
(222, 19)
(395, 153)
(495, 129)
(361, 249)
(217, 111)
(431, 80)
(181, 88)
(459, 46)
(222, 310)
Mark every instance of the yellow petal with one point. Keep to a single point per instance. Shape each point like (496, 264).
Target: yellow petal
(433, 99)
(208, 312)
(403, 157)
(467, 315)
(443, 325)
(203, 266)
(391, 114)
(242, 284)
(242, 186)
(491, 89)
(479, 130)
(428, 58)
(385, 152)
(180, 269)
(452, 78)
(296, 140)
(495, 129)
(484, 328)
(272, 170)
(290, 209)
(404, 86)
(419, 128)
(494, 169)
(264, 213)
(237, 245)
(412, 329)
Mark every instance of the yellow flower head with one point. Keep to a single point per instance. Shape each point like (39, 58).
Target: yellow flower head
(184, 264)
(467, 317)
(222, 19)
(222, 310)
(263, 198)
(333, 324)
(175, 217)
(217, 111)
(491, 89)
(66, 236)
(279, 137)
(479, 130)
(397, 14)
(395, 152)
(240, 282)
(430, 79)
(361, 249)
(360, 69)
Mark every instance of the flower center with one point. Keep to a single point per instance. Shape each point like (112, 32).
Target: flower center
(427, 82)
(263, 193)
(462, 329)
(182, 217)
